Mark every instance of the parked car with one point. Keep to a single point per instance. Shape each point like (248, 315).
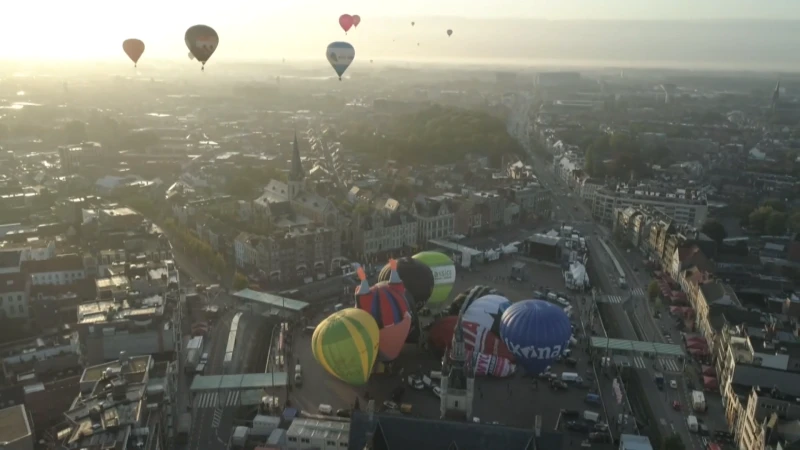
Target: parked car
(343, 413)
(580, 427)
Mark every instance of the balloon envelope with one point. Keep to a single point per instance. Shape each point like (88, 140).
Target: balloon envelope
(486, 312)
(412, 23)
(387, 305)
(191, 56)
(449, 32)
(482, 364)
(416, 276)
(356, 20)
(346, 345)
(340, 55)
(440, 337)
(464, 299)
(536, 332)
(444, 275)
(133, 48)
(202, 42)
(346, 22)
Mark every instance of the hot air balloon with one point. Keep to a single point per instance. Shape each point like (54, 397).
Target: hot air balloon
(386, 303)
(356, 20)
(202, 41)
(417, 278)
(482, 364)
(440, 337)
(370, 61)
(191, 56)
(346, 345)
(536, 332)
(346, 22)
(340, 55)
(464, 299)
(444, 275)
(449, 33)
(413, 23)
(134, 49)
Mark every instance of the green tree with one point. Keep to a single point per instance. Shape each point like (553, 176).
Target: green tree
(715, 230)
(757, 220)
(240, 281)
(775, 204)
(794, 222)
(673, 442)
(776, 224)
(652, 290)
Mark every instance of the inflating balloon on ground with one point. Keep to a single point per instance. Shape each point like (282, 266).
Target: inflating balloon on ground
(417, 278)
(444, 275)
(346, 345)
(386, 303)
(536, 332)
(469, 296)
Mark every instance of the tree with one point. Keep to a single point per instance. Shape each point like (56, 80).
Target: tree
(653, 289)
(776, 205)
(240, 281)
(776, 224)
(757, 220)
(715, 230)
(673, 442)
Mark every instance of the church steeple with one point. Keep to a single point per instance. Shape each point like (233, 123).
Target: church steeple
(297, 173)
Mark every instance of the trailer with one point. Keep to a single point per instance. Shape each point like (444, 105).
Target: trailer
(698, 401)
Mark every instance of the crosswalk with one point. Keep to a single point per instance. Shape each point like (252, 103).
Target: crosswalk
(212, 400)
(217, 418)
(615, 299)
(637, 292)
(663, 364)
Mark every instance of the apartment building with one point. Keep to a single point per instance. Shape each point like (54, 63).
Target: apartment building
(63, 269)
(435, 218)
(681, 206)
(384, 231)
(534, 201)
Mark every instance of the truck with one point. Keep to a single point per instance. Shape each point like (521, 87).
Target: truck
(691, 421)
(698, 401)
(184, 428)
(659, 379)
(194, 349)
(571, 377)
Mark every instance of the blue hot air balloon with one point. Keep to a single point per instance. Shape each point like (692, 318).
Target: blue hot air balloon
(536, 332)
(340, 55)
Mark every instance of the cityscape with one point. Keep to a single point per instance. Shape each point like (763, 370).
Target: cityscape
(403, 255)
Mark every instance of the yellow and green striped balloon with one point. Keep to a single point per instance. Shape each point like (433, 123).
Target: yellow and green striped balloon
(346, 345)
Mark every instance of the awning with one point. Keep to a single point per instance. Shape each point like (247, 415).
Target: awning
(696, 338)
(301, 267)
(710, 382)
(709, 371)
(319, 264)
(697, 345)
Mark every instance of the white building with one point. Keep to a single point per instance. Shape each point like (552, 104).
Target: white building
(317, 434)
(33, 249)
(682, 206)
(244, 250)
(435, 218)
(385, 229)
(65, 269)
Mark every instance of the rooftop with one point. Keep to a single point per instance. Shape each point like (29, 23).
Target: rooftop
(271, 300)
(138, 364)
(13, 424)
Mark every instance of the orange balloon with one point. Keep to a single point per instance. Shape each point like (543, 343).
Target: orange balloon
(134, 49)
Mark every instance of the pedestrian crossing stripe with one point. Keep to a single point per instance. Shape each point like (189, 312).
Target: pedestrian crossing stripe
(217, 418)
(663, 363)
(615, 299)
(638, 292)
(211, 400)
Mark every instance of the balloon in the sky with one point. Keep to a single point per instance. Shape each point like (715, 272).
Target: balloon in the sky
(202, 42)
(370, 61)
(386, 303)
(191, 56)
(346, 22)
(536, 332)
(356, 20)
(134, 49)
(413, 23)
(416, 276)
(449, 33)
(340, 55)
(444, 275)
(346, 345)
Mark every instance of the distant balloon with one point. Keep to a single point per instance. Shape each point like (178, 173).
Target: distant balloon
(202, 42)
(346, 345)
(340, 55)
(417, 44)
(134, 49)
(370, 61)
(444, 275)
(356, 20)
(537, 333)
(416, 275)
(413, 23)
(449, 33)
(346, 22)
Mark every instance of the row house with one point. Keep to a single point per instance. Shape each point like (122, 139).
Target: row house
(683, 209)
(534, 202)
(63, 269)
(385, 231)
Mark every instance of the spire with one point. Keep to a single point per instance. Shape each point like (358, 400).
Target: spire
(297, 173)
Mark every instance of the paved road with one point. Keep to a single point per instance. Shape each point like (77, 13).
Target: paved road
(573, 210)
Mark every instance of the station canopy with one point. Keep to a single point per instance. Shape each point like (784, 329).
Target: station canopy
(626, 346)
(238, 382)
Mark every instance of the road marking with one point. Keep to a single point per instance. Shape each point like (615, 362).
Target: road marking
(638, 292)
(615, 299)
(233, 398)
(217, 418)
(639, 363)
(206, 400)
(669, 364)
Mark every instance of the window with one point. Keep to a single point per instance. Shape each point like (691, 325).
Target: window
(330, 443)
(456, 404)
(21, 309)
(305, 440)
(342, 444)
(292, 439)
(19, 298)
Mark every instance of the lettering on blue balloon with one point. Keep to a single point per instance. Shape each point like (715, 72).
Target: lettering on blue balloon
(534, 352)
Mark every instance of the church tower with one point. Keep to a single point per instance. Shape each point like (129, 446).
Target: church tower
(458, 381)
(297, 175)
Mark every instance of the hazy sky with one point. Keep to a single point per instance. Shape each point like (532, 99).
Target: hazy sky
(88, 29)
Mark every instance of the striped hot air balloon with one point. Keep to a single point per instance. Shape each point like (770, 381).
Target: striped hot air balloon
(386, 303)
(346, 345)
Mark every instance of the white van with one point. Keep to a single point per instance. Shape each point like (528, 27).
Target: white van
(436, 374)
(298, 369)
(591, 416)
(571, 377)
(552, 296)
(691, 421)
(325, 409)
